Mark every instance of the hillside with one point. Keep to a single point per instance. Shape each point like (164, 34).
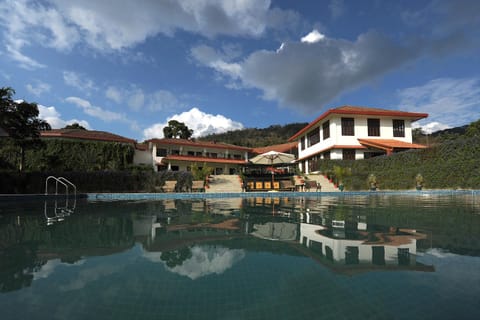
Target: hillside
(254, 137)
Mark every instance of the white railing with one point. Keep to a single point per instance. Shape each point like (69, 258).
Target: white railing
(60, 212)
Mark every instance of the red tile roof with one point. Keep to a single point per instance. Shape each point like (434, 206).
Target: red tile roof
(285, 147)
(390, 144)
(354, 110)
(85, 135)
(203, 159)
(194, 143)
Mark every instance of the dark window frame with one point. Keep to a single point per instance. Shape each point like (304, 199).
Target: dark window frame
(348, 127)
(373, 127)
(313, 137)
(326, 129)
(398, 128)
(348, 154)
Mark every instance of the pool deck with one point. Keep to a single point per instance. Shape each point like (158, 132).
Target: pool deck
(202, 195)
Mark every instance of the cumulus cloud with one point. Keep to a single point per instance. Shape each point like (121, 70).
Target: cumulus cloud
(449, 102)
(62, 24)
(49, 268)
(306, 75)
(313, 37)
(53, 117)
(38, 88)
(205, 260)
(27, 21)
(200, 122)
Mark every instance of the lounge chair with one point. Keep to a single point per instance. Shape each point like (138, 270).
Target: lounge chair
(287, 185)
(312, 184)
(169, 186)
(198, 186)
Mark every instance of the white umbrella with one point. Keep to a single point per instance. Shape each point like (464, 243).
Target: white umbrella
(271, 158)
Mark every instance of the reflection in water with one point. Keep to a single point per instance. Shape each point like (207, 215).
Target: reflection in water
(198, 260)
(199, 237)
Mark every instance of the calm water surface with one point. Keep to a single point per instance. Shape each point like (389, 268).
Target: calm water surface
(358, 257)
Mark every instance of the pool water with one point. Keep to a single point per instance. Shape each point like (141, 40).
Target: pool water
(317, 257)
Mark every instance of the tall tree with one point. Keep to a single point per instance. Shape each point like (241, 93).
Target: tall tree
(177, 130)
(20, 120)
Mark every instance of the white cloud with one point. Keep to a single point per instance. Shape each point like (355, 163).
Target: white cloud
(313, 37)
(138, 100)
(53, 117)
(449, 102)
(38, 88)
(103, 25)
(95, 111)
(205, 260)
(114, 94)
(78, 81)
(25, 22)
(200, 122)
(307, 75)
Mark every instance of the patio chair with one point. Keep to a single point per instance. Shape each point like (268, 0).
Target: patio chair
(169, 186)
(198, 186)
(312, 184)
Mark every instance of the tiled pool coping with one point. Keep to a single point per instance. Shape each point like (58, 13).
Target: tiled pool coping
(159, 196)
(208, 195)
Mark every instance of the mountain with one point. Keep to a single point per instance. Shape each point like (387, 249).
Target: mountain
(255, 137)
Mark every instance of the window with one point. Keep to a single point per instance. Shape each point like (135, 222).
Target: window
(348, 154)
(313, 137)
(326, 155)
(326, 130)
(175, 152)
(373, 127)
(199, 153)
(302, 143)
(191, 153)
(348, 127)
(161, 152)
(399, 128)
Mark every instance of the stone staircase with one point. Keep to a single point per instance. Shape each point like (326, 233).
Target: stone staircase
(327, 186)
(223, 183)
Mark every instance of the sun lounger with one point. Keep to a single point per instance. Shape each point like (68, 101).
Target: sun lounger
(169, 186)
(287, 185)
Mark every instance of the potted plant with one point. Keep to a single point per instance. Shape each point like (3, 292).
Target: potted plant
(340, 173)
(419, 181)
(372, 182)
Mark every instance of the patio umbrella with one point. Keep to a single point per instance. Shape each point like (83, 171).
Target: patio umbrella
(271, 158)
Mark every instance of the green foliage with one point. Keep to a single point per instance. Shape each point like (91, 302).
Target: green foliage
(255, 137)
(201, 173)
(73, 155)
(20, 120)
(451, 164)
(177, 130)
(74, 125)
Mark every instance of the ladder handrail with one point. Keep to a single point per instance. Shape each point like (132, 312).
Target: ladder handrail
(70, 183)
(56, 185)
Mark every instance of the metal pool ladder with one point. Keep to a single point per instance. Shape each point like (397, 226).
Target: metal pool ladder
(60, 211)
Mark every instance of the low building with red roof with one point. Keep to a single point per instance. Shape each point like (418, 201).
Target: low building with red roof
(351, 132)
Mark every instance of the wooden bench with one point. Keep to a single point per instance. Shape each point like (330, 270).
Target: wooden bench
(198, 186)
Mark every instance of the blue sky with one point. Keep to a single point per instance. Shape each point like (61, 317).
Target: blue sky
(128, 67)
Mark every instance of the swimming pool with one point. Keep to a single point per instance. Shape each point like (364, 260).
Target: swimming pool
(362, 256)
